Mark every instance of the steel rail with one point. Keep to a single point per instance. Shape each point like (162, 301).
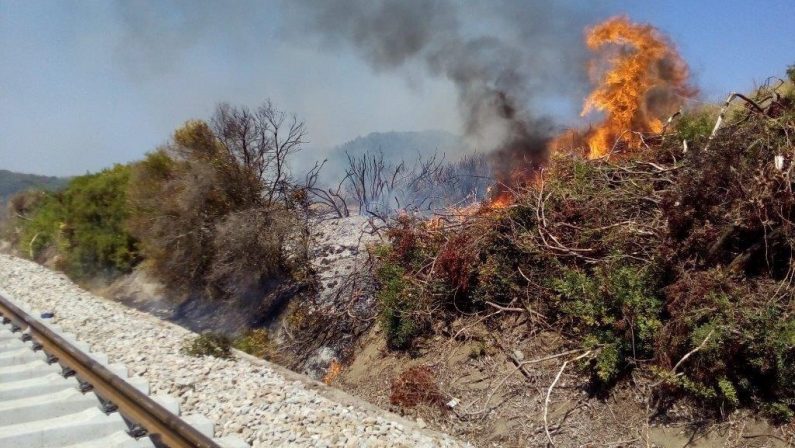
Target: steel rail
(161, 425)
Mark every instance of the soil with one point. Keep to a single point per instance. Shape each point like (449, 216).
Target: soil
(496, 404)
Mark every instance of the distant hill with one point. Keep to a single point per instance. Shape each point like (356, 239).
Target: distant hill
(404, 145)
(11, 182)
(396, 146)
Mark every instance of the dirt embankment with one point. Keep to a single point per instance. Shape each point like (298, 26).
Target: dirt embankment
(494, 385)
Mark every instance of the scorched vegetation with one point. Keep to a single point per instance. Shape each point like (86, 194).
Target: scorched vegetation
(674, 260)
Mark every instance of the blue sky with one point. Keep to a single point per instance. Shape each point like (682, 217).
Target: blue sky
(87, 84)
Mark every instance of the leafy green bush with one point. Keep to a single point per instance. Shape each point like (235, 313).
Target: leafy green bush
(208, 344)
(745, 333)
(258, 343)
(85, 224)
(40, 227)
(396, 304)
(695, 125)
(95, 208)
(616, 308)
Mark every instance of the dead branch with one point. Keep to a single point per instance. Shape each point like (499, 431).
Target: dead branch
(691, 352)
(549, 394)
(684, 358)
(722, 115)
(331, 198)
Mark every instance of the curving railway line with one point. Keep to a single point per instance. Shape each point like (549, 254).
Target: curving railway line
(55, 393)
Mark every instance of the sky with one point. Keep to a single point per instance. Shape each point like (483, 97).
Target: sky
(86, 84)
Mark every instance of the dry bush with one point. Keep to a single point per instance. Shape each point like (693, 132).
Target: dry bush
(18, 210)
(23, 203)
(456, 261)
(176, 206)
(249, 248)
(416, 385)
(215, 208)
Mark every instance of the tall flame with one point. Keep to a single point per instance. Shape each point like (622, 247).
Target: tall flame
(641, 79)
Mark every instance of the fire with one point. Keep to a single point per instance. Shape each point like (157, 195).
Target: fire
(334, 370)
(499, 196)
(501, 200)
(641, 80)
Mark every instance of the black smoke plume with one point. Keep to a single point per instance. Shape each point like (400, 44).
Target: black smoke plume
(507, 59)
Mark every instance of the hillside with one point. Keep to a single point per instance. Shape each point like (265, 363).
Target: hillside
(12, 182)
(651, 285)
(399, 145)
(396, 147)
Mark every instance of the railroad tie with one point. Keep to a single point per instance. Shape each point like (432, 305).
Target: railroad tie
(46, 402)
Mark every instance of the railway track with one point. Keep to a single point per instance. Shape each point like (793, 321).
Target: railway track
(55, 393)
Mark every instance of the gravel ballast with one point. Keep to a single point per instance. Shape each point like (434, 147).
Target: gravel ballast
(247, 398)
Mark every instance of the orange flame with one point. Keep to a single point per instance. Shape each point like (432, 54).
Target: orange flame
(640, 80)
(500, 200)
(334, 370)
(647, 80)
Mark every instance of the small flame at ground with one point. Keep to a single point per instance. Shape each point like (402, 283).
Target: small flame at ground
(501, 201)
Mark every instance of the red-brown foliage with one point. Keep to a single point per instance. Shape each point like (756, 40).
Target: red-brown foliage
(456, 262)
(416, 385)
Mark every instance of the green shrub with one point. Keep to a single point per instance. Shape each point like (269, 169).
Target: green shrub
(494, 280)
(41, 227)
(208, 344)
(779, 412)
(749, 356)
(695, 125)
(257, 343)
(616, 308)
(85, 224)
(396, 305)
(96, 208)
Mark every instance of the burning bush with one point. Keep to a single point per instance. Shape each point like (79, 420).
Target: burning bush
(674, 259)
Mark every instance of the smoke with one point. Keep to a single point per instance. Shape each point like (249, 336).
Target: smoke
(156, 37)
(507, 59)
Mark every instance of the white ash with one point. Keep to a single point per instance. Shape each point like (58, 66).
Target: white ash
(338, 254)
